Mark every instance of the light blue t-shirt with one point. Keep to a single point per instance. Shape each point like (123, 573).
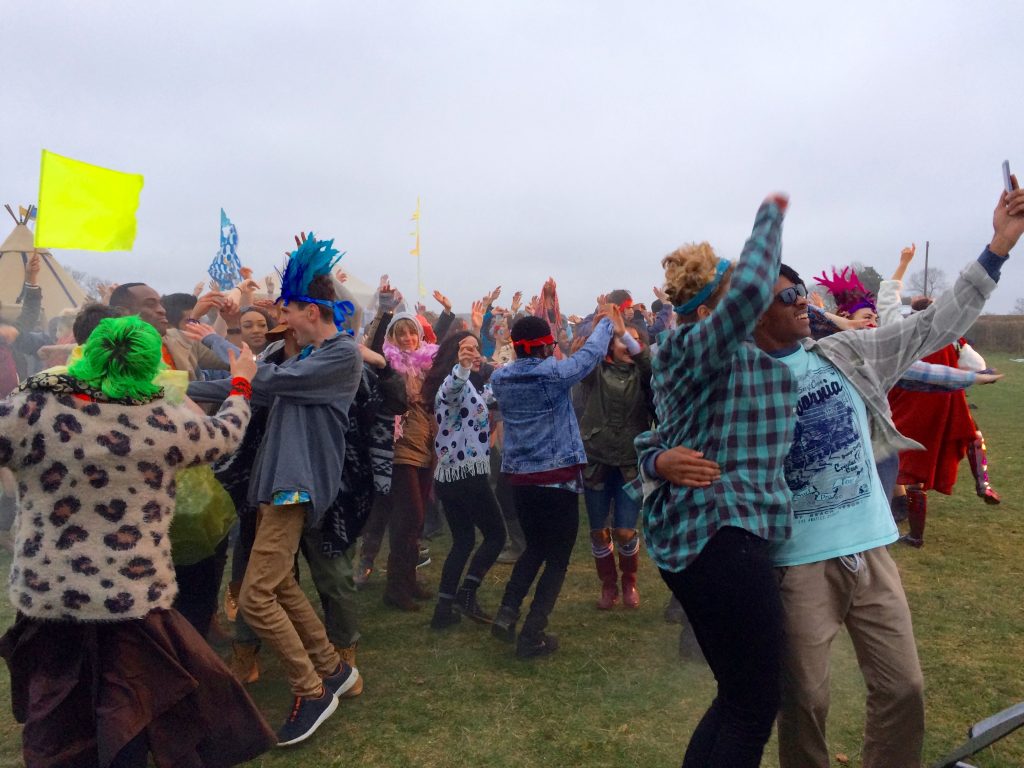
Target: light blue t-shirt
(839, 507)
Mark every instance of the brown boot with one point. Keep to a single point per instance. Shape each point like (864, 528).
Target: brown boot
(604, 560)
(348, 655)
(917, 513)
(629, 560)
(244, 664)
(231, 600)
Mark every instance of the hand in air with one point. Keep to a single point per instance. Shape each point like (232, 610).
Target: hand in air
(469, 353)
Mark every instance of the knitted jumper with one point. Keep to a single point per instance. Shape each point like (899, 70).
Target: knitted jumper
(97, 485)
(463, 434)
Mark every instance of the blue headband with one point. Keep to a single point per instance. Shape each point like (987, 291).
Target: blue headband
(706, 291)
(342, 309)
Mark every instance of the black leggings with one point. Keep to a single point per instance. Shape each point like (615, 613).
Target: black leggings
(731, 596)
(550, 518)
(469, 504)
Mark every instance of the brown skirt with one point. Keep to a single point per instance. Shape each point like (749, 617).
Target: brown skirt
(85, 690)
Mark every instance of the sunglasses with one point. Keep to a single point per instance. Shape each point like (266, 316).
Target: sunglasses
(788, 296)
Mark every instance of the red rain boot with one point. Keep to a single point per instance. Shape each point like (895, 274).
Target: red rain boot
(604, 559)
(917, 511)
(628, 564)
(977, 455)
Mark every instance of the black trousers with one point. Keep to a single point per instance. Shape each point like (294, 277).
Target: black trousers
(731, 596)
(470, 504)
(199, 588)
(550, 518)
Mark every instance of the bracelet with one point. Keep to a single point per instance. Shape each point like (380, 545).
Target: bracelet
(234, 331)
(240, 386)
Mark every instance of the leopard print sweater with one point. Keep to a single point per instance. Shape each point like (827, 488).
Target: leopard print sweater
(97, 487)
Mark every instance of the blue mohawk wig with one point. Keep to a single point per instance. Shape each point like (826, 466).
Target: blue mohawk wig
(310, 260)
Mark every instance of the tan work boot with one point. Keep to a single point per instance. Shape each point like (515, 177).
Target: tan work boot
(231, 600)
(244, 664)
(348, 655)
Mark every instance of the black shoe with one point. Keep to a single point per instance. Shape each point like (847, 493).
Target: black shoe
(444, 616)
(504, 625)
(307, 715)
(341, 680)
(466, 604)
(537, 645)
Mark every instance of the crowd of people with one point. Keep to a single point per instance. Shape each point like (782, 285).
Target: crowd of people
(762, 438)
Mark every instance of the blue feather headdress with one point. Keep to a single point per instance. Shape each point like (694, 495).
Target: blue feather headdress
(310, 260)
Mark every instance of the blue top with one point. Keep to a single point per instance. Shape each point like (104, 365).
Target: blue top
(839, 506)
(541, 432)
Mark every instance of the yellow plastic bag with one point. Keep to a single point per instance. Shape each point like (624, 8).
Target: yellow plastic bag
(203, 515)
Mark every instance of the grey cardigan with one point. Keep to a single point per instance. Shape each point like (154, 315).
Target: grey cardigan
(874, 360)
(309, 399)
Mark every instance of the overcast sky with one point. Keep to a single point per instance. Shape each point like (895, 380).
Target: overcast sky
(578, 139)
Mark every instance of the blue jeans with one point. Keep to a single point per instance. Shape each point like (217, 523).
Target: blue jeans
(599, 502)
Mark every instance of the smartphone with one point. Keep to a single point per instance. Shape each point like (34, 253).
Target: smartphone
(1007, 178)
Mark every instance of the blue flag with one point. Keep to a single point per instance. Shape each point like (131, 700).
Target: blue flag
(226, 269)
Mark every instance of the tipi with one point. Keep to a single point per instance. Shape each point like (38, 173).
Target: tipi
(60, 291)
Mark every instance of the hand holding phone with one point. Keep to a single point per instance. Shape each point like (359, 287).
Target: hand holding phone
(1009, 182)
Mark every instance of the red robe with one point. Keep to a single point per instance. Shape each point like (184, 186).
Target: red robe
(941, 422)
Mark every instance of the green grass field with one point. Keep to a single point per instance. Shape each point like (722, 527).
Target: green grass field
(617, 694)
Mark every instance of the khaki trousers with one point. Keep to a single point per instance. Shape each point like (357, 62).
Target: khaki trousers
(865, 593)
(276, 608)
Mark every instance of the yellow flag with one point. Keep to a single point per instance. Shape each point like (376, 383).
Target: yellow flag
(84, 206)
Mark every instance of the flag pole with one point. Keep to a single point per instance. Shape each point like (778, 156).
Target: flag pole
(416, 252)
(926, 244)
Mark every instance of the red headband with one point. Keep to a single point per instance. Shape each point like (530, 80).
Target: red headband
(529, 344)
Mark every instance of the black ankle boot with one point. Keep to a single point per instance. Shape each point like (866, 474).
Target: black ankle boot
(466, 604)
(541, 644)
(444, 616)
(504, 624)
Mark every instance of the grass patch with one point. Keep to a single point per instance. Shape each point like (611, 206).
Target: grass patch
(616, 693)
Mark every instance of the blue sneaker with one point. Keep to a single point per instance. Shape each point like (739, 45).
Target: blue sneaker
(307, 715)
(342, 680)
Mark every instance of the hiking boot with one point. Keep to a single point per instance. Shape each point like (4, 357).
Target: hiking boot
(308, 714)
(342, 680)
(466, 604)
(444, 615)
(542, 644)
(503, 627)
(348, 656)
(231, 600)
(244, 663)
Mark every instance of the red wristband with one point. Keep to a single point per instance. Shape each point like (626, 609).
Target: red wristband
(240, 386)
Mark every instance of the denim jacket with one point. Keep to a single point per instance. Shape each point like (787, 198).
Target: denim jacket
(541, 432)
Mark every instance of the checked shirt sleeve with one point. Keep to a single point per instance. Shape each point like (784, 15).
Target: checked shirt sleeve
(709, 345)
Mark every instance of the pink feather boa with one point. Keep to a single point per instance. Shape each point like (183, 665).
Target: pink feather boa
(415, 363)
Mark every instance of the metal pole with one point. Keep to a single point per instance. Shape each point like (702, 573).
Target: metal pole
(926, 244)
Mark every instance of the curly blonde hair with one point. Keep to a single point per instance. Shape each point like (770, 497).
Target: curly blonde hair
(688, 269)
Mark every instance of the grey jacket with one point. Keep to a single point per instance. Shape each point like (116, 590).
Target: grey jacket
(309, 399)
(874, 360)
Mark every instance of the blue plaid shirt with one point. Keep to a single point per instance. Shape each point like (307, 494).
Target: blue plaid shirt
(717, 393)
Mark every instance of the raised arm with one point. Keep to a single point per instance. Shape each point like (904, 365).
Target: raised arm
(710, 344)
(892, 349)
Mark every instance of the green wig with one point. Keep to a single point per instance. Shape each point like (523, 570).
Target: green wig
(120, 358)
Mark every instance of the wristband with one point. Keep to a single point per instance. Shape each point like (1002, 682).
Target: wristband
(240, 386)
(234, 331)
